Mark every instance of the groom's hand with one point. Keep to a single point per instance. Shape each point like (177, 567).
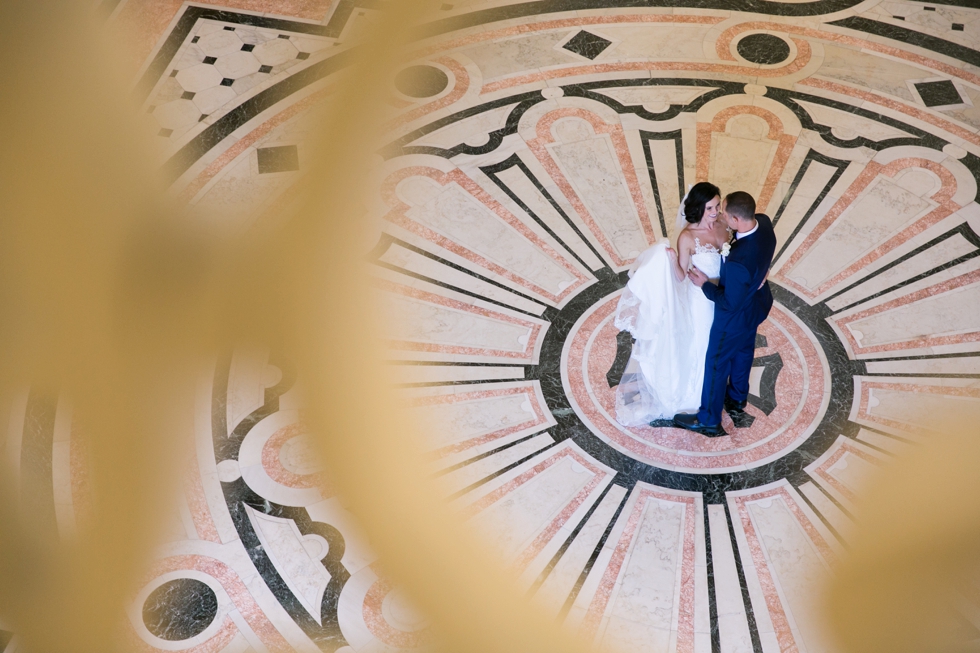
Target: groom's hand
(697, 277)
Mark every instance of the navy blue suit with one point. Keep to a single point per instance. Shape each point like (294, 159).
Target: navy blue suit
(740, 307)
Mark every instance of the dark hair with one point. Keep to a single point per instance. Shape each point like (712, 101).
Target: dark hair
(700, 194)
(740, 204)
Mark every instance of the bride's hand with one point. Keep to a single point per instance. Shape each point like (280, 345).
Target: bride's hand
(672, 253)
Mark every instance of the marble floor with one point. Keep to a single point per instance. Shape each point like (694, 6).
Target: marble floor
(537, 148)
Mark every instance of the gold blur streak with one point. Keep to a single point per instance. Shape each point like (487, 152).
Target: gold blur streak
(112, 299)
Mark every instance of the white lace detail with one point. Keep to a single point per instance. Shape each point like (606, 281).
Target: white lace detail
(704, 249)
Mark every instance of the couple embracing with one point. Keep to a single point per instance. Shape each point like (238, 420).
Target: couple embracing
(693, 313)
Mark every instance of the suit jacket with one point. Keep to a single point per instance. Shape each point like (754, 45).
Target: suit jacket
(740, 305)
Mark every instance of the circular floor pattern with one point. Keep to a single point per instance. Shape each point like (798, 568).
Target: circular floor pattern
(510, 204)
(791, 384)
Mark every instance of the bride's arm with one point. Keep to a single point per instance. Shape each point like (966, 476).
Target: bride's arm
(681, 258)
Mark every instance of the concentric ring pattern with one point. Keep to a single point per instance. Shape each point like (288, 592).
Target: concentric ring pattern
(535, 150)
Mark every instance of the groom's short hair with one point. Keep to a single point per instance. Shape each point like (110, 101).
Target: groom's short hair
(740, 204)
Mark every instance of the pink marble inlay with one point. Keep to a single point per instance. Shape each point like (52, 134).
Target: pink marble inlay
(398, 215)
(272, 464)
(236, 589)
(591, 349)
(600, 601)
(913, 342)
(535, 329)
(719, 124)
(197, 503)
(375, 620)
(539, 418)
(943, 197)
(545, 137)
(911, 388)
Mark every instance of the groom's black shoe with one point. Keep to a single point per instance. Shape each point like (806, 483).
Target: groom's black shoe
(732, 406)
(691, 423)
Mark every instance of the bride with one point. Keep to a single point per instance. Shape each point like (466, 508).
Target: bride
(669, 317)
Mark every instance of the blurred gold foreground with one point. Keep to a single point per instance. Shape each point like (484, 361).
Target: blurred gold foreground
(115, 298)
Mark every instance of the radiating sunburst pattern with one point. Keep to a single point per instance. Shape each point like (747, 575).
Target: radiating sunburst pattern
(535, 153)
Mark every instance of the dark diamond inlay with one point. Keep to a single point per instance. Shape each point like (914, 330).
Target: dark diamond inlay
(229, 29)
(248, 47)
(165, 132)
(173, 73)
(284, 36)
(187, 95)
(195, 39)
(278, 159)
(929, 8)
(937, 94)
(421, 81)
(180, 609)
(210, 59)
(303, 55)
(763, 49)
(203, 116)
(586, 44)
(265, 69)
(958, 27)
(227, 81)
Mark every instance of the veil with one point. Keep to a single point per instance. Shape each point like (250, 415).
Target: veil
(681, 220)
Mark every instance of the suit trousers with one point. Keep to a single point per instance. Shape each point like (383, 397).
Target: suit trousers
(727, 365)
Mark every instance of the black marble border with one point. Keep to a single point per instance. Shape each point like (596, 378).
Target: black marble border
(328, 636)
(912, 37)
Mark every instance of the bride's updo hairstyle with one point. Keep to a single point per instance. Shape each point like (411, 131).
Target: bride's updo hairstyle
(700, 194)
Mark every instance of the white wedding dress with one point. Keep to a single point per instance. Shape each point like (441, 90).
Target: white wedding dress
(670, 321)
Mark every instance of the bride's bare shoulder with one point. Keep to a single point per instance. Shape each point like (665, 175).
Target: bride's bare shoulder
(685, 239)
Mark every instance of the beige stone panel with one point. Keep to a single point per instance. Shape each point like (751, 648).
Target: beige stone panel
(642, 610)
(472, 131)
(591, 167)
(869, 71)
(420, 321)
(848, 125)
(949, 313)
(465, 476)
(520, 185)
(510, 524)
(797, 568)
(664, 155)
(814, 181)
(852, 471)
(948, 250)
(879, 213)
(958, 365)
(919, 409)
(741, 156)
(655, 98)
(459, 216)
(556, 588)
(414, 262)
(450, 423)
(526, 53)
(670, 42)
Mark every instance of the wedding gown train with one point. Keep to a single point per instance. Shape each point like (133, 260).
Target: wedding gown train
(670, 321)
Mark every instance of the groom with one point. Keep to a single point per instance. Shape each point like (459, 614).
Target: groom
(742, 301)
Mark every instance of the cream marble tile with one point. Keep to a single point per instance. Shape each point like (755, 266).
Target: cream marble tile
(909, 407)
(732, 621)
(556, 588)
(452, 373)
(463, 477)
(884, 442)
(942, 314)
(947, 251)
(966, 365)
